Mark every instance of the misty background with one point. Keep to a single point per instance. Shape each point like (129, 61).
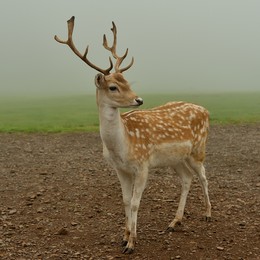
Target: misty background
(178, 45)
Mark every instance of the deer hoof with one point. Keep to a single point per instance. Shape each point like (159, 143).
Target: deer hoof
(208, 218)
(170, 229)
(128, 250)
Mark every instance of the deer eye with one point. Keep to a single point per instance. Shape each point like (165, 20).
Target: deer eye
(113, 88)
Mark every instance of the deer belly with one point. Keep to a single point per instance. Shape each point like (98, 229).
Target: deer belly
(170, 154)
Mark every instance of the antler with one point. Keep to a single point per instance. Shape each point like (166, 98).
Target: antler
(70, 43)
(112, 49)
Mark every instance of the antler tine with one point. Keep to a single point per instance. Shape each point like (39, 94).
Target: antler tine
(70, 43)
(112, 49)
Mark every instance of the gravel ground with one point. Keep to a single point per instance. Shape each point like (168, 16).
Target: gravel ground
(60, 200)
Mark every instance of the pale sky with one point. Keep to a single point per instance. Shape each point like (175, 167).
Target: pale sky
(178, 45)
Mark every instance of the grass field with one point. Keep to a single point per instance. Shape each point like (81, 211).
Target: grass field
(79, 113)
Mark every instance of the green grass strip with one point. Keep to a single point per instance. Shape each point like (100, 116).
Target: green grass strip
(79, 113)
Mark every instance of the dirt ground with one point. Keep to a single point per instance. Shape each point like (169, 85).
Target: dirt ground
(60, 200)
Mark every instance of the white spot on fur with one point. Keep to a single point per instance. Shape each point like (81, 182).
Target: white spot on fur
(131, 133)
(137, 133)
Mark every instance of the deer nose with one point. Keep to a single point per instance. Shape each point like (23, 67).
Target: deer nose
(139, 101)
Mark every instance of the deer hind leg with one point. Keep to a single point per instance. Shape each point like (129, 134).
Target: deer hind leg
(186, 178)
(139, 186)
(199, 169)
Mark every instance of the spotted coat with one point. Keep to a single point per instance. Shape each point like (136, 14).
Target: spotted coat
(169, 123)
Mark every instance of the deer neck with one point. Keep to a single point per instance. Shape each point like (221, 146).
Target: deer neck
(112, 130)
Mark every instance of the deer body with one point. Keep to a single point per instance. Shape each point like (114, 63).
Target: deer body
(161, 136)
(171, 135)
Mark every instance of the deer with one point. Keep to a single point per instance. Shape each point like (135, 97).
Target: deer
(134, 142)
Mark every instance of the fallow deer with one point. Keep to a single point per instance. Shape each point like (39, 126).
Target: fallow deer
(171, 135)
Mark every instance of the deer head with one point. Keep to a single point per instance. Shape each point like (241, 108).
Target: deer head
(112, 88)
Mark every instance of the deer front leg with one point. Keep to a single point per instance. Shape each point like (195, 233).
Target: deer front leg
(126, 181)
(186, 178)
(139, 185)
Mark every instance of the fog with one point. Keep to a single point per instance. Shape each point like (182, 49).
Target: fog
(178, 46)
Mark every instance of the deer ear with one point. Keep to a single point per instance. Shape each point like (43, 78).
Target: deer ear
(98, 80)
